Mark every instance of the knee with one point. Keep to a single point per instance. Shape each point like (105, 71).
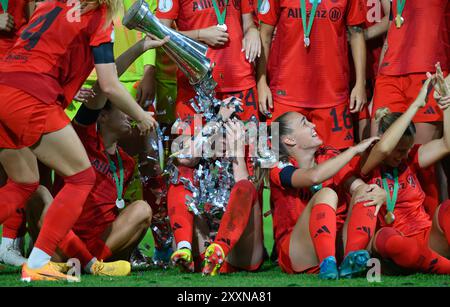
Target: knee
(381, 239)
(84, 178)
(327, 196)
(143, 212)
(443, 213)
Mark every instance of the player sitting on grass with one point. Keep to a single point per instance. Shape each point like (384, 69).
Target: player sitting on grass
(408, 236)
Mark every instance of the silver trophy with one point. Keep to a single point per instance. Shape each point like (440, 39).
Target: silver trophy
(189, 55)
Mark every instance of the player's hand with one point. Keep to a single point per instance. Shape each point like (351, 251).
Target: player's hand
(84, 94)
(364, 144)
(235, 132)
(6, 22)
(251, 44)
(358, 98)
(441, 87)
(146, 123)
(229, 107)
(265, 99)
(213, 36)
(145, 92)
(151, 42)
(373, 195)
(422, 98)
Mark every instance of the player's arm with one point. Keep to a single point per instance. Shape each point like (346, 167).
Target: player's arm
(358, 97)
(301, 178)
(394, 133)
(251, 43)
(115, 92)
(435, 150)
(264, 93)
(212, 36)
(381, 27)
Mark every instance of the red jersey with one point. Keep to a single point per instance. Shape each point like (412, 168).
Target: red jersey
(410, 215)
(287, 204)
(420, 42)
(232, 71)
(102, 199)
(53, 56)
(317, 76)
(17, 9)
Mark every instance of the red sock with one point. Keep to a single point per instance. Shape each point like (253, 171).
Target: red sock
(16, 225)
(181, 219)
(65, 210)
(100, 250)
(444, 219)
(14, 196)
(409, 253)
(73, 247)
(235, 219)
(361, 227)
(322, 228)
(428, 181)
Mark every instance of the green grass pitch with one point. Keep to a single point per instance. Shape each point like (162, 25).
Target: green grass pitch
(269, 276)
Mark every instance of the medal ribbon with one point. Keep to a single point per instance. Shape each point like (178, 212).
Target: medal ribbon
(307, 30)
(400, 7)
(4, 4)
(390, 202)
(220, 16)
(113, 169)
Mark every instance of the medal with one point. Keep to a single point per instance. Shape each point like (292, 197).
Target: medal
(307, 41)
(307, 26)
(390, 201)
(399, 20)
(223, 26)
(120, 203)
(389, 218)
(220, 15)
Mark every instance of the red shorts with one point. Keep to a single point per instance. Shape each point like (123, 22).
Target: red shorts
(24, 119)
(284, 260)
(398, 92)
(334, 125)
(249, 99)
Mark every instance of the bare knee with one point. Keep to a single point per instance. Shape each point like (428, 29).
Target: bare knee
(326, 196)
(143, 212)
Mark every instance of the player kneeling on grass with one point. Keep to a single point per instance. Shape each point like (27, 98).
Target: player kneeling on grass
(238, 244)
(408, 236)
(309, 191)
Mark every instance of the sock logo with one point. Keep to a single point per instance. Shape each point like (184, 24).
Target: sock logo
(320, 216)
(176, 226)
(431, 267)
(365, 229)
(323, 229)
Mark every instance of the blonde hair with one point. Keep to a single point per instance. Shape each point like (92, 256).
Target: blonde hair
(112, 6)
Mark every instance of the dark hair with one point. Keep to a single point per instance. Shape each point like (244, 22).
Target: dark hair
(385, 118)
(284, 128)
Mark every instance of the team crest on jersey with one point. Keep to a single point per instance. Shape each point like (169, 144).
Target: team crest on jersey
(165, 5)
(411, 181)
(265, 7)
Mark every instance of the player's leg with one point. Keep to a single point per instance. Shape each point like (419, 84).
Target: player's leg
(21, 167)
(439, 240)
(411, 253)
(359, 229)
(313, 239)
(63, 151)
(181, 221)
(236, 221)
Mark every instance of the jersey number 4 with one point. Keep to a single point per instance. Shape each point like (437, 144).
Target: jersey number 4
(46, 21)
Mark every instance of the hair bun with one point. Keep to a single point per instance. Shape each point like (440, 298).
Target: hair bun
(380, 113)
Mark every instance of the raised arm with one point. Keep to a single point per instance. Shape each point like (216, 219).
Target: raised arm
(302, 178)
(435, 150)
(394, 133)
